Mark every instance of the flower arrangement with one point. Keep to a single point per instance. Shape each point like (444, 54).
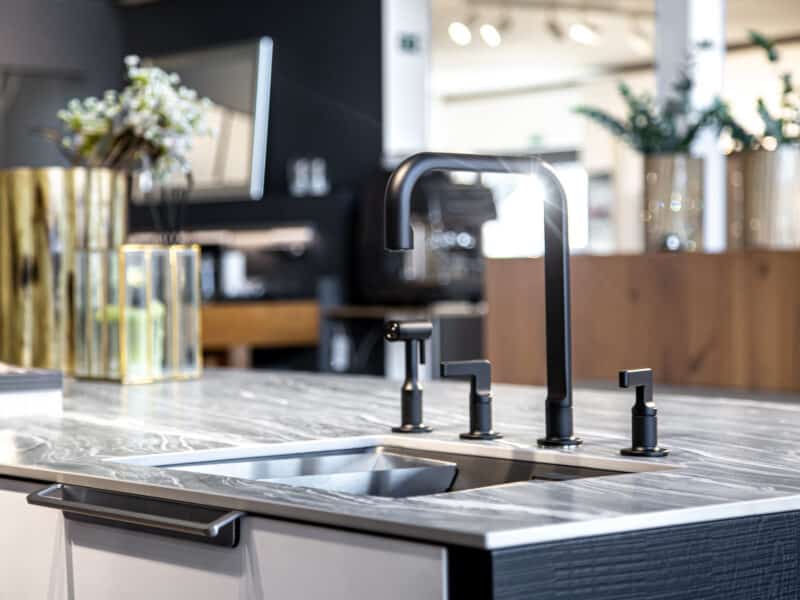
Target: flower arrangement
(147, 127)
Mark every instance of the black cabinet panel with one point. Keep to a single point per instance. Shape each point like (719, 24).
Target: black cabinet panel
(751, 558)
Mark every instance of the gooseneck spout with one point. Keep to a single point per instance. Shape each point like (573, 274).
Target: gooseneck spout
(558, 406)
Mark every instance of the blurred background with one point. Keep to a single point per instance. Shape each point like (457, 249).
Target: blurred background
(683, 190)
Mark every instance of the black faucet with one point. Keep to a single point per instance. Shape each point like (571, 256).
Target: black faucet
(399, 236)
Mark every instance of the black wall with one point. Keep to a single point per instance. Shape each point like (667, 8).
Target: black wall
(326, 81)
(51, 51)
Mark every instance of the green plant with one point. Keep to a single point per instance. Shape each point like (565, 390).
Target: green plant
(776, 130)
(654, 128)
(783, 128)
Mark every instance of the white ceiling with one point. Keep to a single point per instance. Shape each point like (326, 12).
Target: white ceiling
(530, 55)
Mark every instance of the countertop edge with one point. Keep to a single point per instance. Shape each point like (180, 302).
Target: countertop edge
(500, 540)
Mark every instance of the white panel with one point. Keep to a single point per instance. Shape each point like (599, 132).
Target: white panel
(275, 560)
(32, 548)
(406, 75)
(298, 562)
(128, 565)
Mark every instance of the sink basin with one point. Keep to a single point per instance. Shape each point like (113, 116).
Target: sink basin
(392, 466)
(364, 471)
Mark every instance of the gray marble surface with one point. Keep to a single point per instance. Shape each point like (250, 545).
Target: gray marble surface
(732, 457)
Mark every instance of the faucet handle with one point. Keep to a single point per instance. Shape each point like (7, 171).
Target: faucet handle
(479, 373)
(644, 419)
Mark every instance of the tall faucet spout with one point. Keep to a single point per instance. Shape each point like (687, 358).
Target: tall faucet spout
(558, 406)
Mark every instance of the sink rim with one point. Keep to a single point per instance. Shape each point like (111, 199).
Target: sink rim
(501, 450)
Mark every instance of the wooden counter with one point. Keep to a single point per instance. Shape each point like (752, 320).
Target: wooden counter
(696, 319)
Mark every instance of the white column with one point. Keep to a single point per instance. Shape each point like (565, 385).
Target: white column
(691, 33)
(406, 64)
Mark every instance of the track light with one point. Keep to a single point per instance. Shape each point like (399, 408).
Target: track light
(491, 35)
(459, 33)
(582, 32)
(555, 29)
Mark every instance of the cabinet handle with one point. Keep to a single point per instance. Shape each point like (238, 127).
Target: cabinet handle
(187, 521)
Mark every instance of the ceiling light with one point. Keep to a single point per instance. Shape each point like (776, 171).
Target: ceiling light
(583, 33)
(459, 33)
(491, 35)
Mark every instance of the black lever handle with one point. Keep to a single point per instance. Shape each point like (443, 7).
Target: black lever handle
(644, 415)
(414, 334)
(479, 373)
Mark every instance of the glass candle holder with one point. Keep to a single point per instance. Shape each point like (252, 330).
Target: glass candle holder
(137, 313)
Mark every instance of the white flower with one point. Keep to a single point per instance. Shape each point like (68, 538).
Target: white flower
(162, 115)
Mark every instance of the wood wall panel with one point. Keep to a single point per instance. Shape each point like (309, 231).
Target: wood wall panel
(696, 319)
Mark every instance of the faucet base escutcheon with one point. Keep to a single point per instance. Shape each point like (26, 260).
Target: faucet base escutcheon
(481, 435)
(408, 428)
(559, 442)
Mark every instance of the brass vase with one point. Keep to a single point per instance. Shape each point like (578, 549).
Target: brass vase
(45, 215)
(673, 211)
(764, 193)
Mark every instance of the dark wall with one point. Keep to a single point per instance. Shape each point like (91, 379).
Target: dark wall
(326, 81)
(51, 51)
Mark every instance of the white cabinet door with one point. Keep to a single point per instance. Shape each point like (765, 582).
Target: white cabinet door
(33, 554)
(275, 560)
(111, 563)
(289, 561)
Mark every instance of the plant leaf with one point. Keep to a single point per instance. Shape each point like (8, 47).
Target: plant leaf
(767, 45)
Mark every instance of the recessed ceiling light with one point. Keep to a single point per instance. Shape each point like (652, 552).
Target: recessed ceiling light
(491, 35)
(459, 33)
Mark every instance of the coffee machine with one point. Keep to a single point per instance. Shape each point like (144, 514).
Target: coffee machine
(447, 261)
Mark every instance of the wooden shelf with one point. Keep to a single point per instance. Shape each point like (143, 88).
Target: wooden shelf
(265, 324)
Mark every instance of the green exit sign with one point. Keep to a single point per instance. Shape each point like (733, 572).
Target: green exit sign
(409, 42)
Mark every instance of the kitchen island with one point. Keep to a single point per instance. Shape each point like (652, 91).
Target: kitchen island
(718, 518)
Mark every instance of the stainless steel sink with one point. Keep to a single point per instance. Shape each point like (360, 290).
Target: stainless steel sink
(365, 471)
(392, 466)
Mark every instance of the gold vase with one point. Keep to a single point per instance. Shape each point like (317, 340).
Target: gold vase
(770, 198)
(45, 215)
(673, 213)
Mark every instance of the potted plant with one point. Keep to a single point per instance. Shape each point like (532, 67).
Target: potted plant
(764, 168)
(673, 180)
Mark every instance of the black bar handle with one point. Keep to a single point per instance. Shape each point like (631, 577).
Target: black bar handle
(216, 531)
(644, 415)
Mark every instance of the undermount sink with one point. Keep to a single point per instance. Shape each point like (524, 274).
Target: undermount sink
(391, 466)
(364, 471)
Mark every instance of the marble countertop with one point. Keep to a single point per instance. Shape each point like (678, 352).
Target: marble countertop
(731, 457)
